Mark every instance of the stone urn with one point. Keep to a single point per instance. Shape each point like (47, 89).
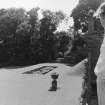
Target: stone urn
(54, 77)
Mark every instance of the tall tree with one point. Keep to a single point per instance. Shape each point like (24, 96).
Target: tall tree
(10, 20)
(48, 26)
(80, 13)
(34, 20)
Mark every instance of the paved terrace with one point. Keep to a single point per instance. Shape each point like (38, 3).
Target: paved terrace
(20, 88)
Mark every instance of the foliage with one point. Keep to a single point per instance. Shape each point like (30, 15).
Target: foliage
(48, 26)
(64, 41)
(24, 39)
(80, 13)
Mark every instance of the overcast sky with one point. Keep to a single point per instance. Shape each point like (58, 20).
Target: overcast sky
(65, 5)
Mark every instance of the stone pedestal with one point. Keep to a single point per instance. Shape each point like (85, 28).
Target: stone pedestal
(94, 41)
(54, 87)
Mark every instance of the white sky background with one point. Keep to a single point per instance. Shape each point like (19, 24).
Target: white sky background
(65, 5)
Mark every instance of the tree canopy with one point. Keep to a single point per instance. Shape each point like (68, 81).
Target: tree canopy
(80, 13)
(24, 38)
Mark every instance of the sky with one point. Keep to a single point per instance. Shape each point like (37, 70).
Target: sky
(65, 5)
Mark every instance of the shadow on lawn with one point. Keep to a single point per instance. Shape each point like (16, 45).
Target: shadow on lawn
(41, 70)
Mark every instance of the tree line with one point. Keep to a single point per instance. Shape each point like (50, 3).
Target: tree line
(27, 39)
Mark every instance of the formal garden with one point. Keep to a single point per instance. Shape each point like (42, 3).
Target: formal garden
(26, 39)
